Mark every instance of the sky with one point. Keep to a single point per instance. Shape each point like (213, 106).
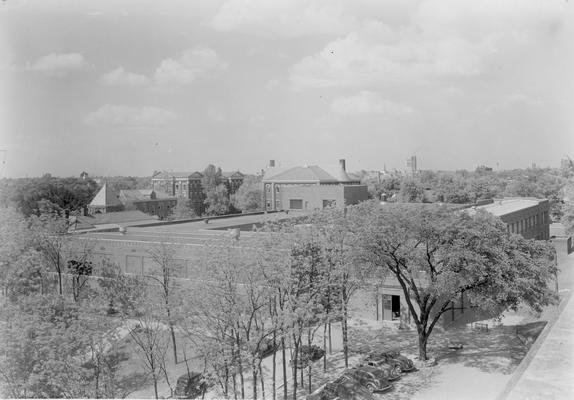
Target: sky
(127, 87)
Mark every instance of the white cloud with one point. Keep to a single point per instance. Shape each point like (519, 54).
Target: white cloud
(375, 54)
(120, 77)
(193, 64)
(284, 18)
(368, 103)
(126, 116)
(443, 39)
(58, 64)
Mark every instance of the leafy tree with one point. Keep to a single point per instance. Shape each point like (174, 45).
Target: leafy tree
(163, 256)
(568, 212)
(211, 177)
(67, 193)
(149, 336)
(182, 210)
(437, 255)
(249, 196)
(411, 191)
(51, 240)
(217, 200)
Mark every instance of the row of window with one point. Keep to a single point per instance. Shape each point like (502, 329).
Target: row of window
(528, 223)
(297, 204)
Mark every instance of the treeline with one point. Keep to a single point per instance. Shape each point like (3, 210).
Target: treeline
(462, 186)
(48, 193)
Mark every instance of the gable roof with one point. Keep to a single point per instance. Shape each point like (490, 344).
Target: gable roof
(106, 197)
(170, 175)
(307, 174)
(232, 174)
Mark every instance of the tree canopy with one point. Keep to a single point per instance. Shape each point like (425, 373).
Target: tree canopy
(437, 253)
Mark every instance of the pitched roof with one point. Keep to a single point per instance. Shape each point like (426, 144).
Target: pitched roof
(169, 175)
(232, 174)
(106, 197)
(307, 173)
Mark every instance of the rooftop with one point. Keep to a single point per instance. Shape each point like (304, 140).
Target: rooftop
(509, 205)
(308, 174)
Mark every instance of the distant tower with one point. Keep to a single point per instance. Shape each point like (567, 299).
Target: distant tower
(84, 175)
(412, 164)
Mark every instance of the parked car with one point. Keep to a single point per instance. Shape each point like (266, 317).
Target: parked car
(308, 354)
(392, 357)
(266, 348)
(372, 378)
(391, 369)
(343, 388)
(190, 386)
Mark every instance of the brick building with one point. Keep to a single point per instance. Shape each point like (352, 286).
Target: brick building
(188, 185)
(311, 187)
(526, 216)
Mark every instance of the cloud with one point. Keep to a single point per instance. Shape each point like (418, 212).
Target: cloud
(283, 18)
(444, 39)
(368, 103)
(120, 77)
(126, 116)
(375, 54)
(193, 64)
(58, 64)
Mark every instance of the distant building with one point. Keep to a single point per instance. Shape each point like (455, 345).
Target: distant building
(526, 216)
(311, 187)
(146, 201)
(188, 185)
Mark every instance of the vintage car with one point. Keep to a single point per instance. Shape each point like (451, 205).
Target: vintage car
(266, 348)
(391, 357)
(344, 387)
(372, 378)
(190, 386)
(308, 354)
(392, 370)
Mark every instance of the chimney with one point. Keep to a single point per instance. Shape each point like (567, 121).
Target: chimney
(342, 164)
(271, 163)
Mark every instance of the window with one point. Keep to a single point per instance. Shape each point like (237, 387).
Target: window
(296, 204)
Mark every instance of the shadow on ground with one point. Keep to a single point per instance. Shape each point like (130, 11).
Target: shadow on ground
(498, 350)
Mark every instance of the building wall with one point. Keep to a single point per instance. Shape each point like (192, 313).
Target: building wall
(160, 207)
(104, 209)
(317, 197)
(532, 222)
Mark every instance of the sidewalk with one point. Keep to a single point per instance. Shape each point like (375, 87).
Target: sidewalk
(547, 372)
(550, 373)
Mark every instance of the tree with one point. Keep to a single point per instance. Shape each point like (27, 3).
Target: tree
(149, 336)
(438, 254)
(411, 191)
(51, 240)
(217, 200)
(249, 196)
(182, 210)
(164, 257)
(568, 212)
(211, 177)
